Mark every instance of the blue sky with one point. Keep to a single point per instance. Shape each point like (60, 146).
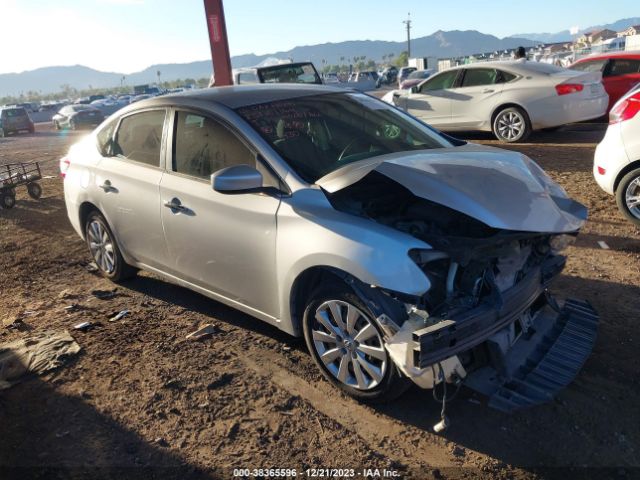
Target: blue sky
(129, 35)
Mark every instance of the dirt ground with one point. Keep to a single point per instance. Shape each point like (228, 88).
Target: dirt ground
(140, 401)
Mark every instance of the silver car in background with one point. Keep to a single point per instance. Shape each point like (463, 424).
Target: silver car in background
(510, 99)
(399, 253)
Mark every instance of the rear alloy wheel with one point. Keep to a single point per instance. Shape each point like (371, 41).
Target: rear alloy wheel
(34, 190)
(104, 250)
(347, 345)
(628, 196)
(511, 125)
(7, 201)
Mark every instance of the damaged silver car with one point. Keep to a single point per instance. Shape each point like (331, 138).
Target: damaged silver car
(400, 254)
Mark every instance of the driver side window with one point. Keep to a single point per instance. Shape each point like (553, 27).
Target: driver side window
(202, 146)
(441, 81)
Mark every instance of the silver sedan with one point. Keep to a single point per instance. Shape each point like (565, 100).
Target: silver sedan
(399, 253)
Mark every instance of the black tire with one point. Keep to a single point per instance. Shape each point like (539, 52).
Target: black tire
(511, 125)
(120, 270)
(629, 185)
(34, 190)
(392, 383)
(7, 201)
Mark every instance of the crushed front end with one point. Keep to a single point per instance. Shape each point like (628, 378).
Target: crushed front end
(488, 319)
(496, 326)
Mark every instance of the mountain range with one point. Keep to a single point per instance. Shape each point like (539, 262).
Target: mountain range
(440, 44)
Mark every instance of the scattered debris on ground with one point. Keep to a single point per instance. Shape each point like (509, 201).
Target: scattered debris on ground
(203, 332)
(36, 354)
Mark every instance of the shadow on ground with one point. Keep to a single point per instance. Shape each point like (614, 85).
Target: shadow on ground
(83, 443)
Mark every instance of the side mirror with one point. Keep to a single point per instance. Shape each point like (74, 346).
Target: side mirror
(415, 89)
(236, 179)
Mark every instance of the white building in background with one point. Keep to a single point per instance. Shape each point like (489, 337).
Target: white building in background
(632, 42)
(631, 31)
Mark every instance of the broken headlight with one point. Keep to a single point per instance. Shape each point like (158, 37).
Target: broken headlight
(558, 243)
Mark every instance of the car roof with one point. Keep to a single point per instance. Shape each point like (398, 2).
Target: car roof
(512, 65)
(240, 95)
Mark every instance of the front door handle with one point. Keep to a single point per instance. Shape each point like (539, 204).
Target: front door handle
(175, 204)
(107, 187)
(488, 90)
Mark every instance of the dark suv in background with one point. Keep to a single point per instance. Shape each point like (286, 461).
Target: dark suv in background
(15, 119)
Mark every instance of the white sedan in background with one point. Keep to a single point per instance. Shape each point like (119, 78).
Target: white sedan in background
(508, 98)
(616, 166)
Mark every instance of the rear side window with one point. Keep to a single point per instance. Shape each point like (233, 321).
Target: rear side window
(474, 77)
(440, 82)
(505, 77)
(14, 113)
(139, 137)
(203, 146)
(104, 136)
(590, 66)
(247, 77)
(621, 66)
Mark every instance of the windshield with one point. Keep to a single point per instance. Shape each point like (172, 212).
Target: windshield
(319, 134)
(288, 73)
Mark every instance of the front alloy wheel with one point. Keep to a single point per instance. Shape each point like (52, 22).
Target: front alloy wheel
(348, 347)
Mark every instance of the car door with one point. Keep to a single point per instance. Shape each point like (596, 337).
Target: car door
(431, 100)
(621, 76)
(128, 180)
(475, 99)
(224, 243)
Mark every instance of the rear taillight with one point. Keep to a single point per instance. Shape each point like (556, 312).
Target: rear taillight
(567, 88)
(625, 110)
(64, 166)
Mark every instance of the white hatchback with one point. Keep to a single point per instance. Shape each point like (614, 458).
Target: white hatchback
(616, 165)
(509, 99)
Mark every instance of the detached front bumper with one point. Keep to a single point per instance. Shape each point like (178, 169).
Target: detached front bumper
(530, 347)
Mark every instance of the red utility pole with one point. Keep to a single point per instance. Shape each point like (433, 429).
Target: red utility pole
(219, 43)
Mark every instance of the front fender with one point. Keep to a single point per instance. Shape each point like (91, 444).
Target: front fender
(312, 234)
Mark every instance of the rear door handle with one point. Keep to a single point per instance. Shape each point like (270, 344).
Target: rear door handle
(175, 204)
(107, 187)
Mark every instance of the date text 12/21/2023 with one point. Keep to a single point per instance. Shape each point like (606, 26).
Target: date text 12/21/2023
(315, 473)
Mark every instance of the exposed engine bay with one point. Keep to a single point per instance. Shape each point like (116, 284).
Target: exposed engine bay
(487, 319)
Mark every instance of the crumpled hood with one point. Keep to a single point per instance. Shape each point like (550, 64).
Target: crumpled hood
(502, 189)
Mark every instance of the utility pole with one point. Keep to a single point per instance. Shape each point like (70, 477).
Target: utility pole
(407, 22)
